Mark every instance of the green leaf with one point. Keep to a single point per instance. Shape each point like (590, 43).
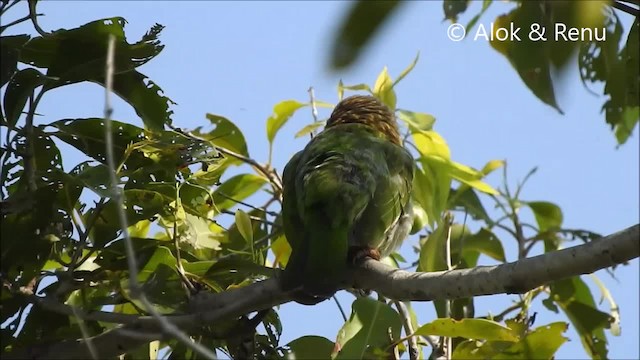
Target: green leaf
(281, 113)
(10, 47)
(406, 71)
(307, 129)
(548, 215)
(358, 27)
(541, 343)
(416, 121)
(20, 87)
(371, 328)
(87, 135)
(310, 347)
(465, 199)
(383, 89)
(453, 8)
(485, 242)
(239, 188)
(474, 20)
(358, 87)
(614, 325)
(243, 222)
(529, 58)
(225, 134)
(468, 328)
(574, 297)
(433, 250)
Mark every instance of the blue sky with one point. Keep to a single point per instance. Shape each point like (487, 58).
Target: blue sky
(240, 59)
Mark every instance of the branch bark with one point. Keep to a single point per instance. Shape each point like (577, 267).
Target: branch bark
(516, 277)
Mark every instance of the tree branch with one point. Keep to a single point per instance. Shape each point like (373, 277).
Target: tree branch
(516, 277)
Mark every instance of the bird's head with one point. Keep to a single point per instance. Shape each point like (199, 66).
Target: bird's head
(367, 110)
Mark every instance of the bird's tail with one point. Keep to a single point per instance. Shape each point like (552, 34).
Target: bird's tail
(327, 261)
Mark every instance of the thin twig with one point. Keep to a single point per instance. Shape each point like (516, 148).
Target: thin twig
(626, 8)
(185, 280)
(34, 19)
(136, 291)
(272, 213)
(4, 9)
(448, 221)
(344, 315)
(412, 342)
(269, 173)
(254, 218)
(314, 109)
(85, 335)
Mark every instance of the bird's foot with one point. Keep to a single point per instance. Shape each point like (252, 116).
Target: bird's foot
(357, 254)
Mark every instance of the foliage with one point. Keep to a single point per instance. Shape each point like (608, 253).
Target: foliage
(611, 61)
(62, 239)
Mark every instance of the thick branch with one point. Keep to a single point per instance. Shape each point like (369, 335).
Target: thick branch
(515, 277)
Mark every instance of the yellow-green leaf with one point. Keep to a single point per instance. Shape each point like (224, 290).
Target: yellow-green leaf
(468, 328)
(281, 250)
(541, 343)
(309, 128)
(243, 222)
(416, 121)
(281, 113)
(406, 71)
(383, 89)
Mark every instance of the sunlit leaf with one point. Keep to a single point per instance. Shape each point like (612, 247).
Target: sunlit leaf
(416, 121)
(383, 89)
(243, 222)
(468, 328)
(308, 129)
(281, 113)
(541, 343)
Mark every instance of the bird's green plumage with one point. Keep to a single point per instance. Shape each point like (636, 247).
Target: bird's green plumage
(348, 188)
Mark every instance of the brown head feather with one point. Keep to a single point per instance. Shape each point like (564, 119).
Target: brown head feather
(369, 111)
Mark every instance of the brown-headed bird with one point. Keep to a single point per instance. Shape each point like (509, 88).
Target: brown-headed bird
(346, 197)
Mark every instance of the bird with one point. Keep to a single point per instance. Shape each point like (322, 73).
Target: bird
(346, 197)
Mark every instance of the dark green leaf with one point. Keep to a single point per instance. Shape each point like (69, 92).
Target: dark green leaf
(485, 242)
(20, 87)
(468, 201)
(10, 51)
(358, 27)
(87, 135)
(78, 55)
(310, 347)
(453, 8)
(529, 58)
(574, 297)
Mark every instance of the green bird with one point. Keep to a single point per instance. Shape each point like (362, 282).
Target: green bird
(346, 197)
